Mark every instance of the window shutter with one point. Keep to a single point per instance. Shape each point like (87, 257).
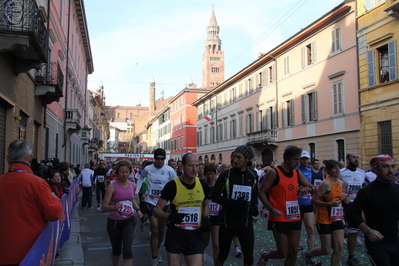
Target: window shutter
(340, 97)
(292, 112)
(338, 39)
(257, 121)
(264, 78)
(335, 103)
(314, 52)
(274, 73)
(268, 118)
(313, 108)
(392, 60)
(264, 118)
(274, 118)
(303, 57)
(303, 104)
(370, 67)
(333, 41)
(284, 111)
(247, 123)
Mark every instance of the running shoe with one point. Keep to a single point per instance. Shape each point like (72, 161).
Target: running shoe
(159, 257)
(305, 261)
(353, 262)
(238, 252)
(261, 261)
(154, 262)
(99, 208)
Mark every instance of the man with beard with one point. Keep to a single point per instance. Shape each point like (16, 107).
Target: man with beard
(353, 180)
(379, 201)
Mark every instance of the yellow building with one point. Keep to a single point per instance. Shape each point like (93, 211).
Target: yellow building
(378, 24)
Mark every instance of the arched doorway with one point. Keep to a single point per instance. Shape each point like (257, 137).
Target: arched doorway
(213, 159)
(200, 159)
(267, 156)
(206, 159)
(220, 158)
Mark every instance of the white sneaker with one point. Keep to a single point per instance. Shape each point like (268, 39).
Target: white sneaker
(261, 262)
(99, 208)
(238, 252)
(154, 262)
(159, 257)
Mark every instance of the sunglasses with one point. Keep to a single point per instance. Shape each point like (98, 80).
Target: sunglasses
(160, 158)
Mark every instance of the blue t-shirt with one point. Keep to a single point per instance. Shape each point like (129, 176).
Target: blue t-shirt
(305, 199)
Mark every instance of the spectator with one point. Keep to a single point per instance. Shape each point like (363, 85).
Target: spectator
(27, 204)
(87, 183)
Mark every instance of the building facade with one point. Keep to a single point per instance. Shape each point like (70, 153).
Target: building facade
(378, 24)
(302, 92)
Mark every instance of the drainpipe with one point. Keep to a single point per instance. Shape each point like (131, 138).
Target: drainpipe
(66, 83)
(275, 60)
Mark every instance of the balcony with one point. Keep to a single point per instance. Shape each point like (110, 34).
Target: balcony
(393, 10)
(73, 120)
(266, 136)
(23, 34)
(50, 82)
(85, 134)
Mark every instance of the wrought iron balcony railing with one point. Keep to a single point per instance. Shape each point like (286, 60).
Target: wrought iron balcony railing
(50, 82)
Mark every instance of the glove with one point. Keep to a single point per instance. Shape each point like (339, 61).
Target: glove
(238, 203)
(206, 224)
(176, 218)
(254, 210)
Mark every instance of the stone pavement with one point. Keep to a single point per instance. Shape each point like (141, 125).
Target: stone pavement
(89, 244)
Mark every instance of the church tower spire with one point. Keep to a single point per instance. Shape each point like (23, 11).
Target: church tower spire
(213, 57)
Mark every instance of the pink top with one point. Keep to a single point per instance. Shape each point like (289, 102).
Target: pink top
(125, 196)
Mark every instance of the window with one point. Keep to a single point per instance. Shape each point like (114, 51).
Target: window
(250, 86)
(225, 129)
(240, 91)
(385, 137)
(336, 39)
(338, 107)
(206, 136)
(118, 116)
(212, 135)
(309, 54)
(312, 150)
(259, 81)
(233, 95)
(309, 106)
(240, 126)
(386, 66)
(219, 132)
(271, 118)
(225, 99)
(250, 123)
(286, 66)
(288, 113)
(259, 120)
(340, 148)
(272, 75)
(233, 129)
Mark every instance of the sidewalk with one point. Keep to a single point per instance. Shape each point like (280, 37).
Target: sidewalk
(72, 251)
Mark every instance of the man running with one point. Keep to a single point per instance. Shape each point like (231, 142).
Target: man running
(100, 182)
(379, 201)
(189, 215)
(354, 179)
(236, 190)
(285, 217)
(158, 175)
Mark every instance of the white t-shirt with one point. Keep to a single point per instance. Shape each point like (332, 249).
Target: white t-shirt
(353, 181)
(157, 178)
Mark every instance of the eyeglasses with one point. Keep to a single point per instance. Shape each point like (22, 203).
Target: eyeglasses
(160, 158)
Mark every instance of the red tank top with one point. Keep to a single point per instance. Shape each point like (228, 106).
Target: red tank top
(284, 197)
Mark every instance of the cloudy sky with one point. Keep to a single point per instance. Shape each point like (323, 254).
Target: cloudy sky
(136, 41)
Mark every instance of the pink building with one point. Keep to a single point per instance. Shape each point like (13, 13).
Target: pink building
(303, 92)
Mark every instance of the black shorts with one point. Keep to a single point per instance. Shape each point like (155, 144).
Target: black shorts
(151, 208)
(188, 242)
(305, 208)
(143, 207)
(326, 229)
(215, 220)
(284, 227)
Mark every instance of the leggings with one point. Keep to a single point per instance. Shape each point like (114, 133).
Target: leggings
(384, 252)
(121, 231)
(246, 237)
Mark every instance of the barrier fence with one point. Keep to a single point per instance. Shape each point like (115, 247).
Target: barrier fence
(55, 234)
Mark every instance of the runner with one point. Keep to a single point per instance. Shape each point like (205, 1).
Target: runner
(236, 190)
(158, 175)
(189, 215)
(329, 198)
(354, 179)
(99, 180)
(379, 201)
(284, 214)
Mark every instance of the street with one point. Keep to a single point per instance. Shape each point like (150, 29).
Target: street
(97, 247)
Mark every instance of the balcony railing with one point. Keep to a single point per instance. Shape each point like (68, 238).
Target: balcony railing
(50, 82)
(73, 120)
(23, 33)
(267, 136)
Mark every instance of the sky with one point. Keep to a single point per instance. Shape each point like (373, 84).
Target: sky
(139, 41)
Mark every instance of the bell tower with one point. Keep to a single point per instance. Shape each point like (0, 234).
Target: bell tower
(213, 57)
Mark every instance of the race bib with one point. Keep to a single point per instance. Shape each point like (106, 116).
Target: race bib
(305, 196)
(192, 219)
(126, 210)
(100, 178)
(292, 210)
(241, 192)
(317, 182)
(155, 191)
(213, 208)
(337, 213)
(354, 187)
